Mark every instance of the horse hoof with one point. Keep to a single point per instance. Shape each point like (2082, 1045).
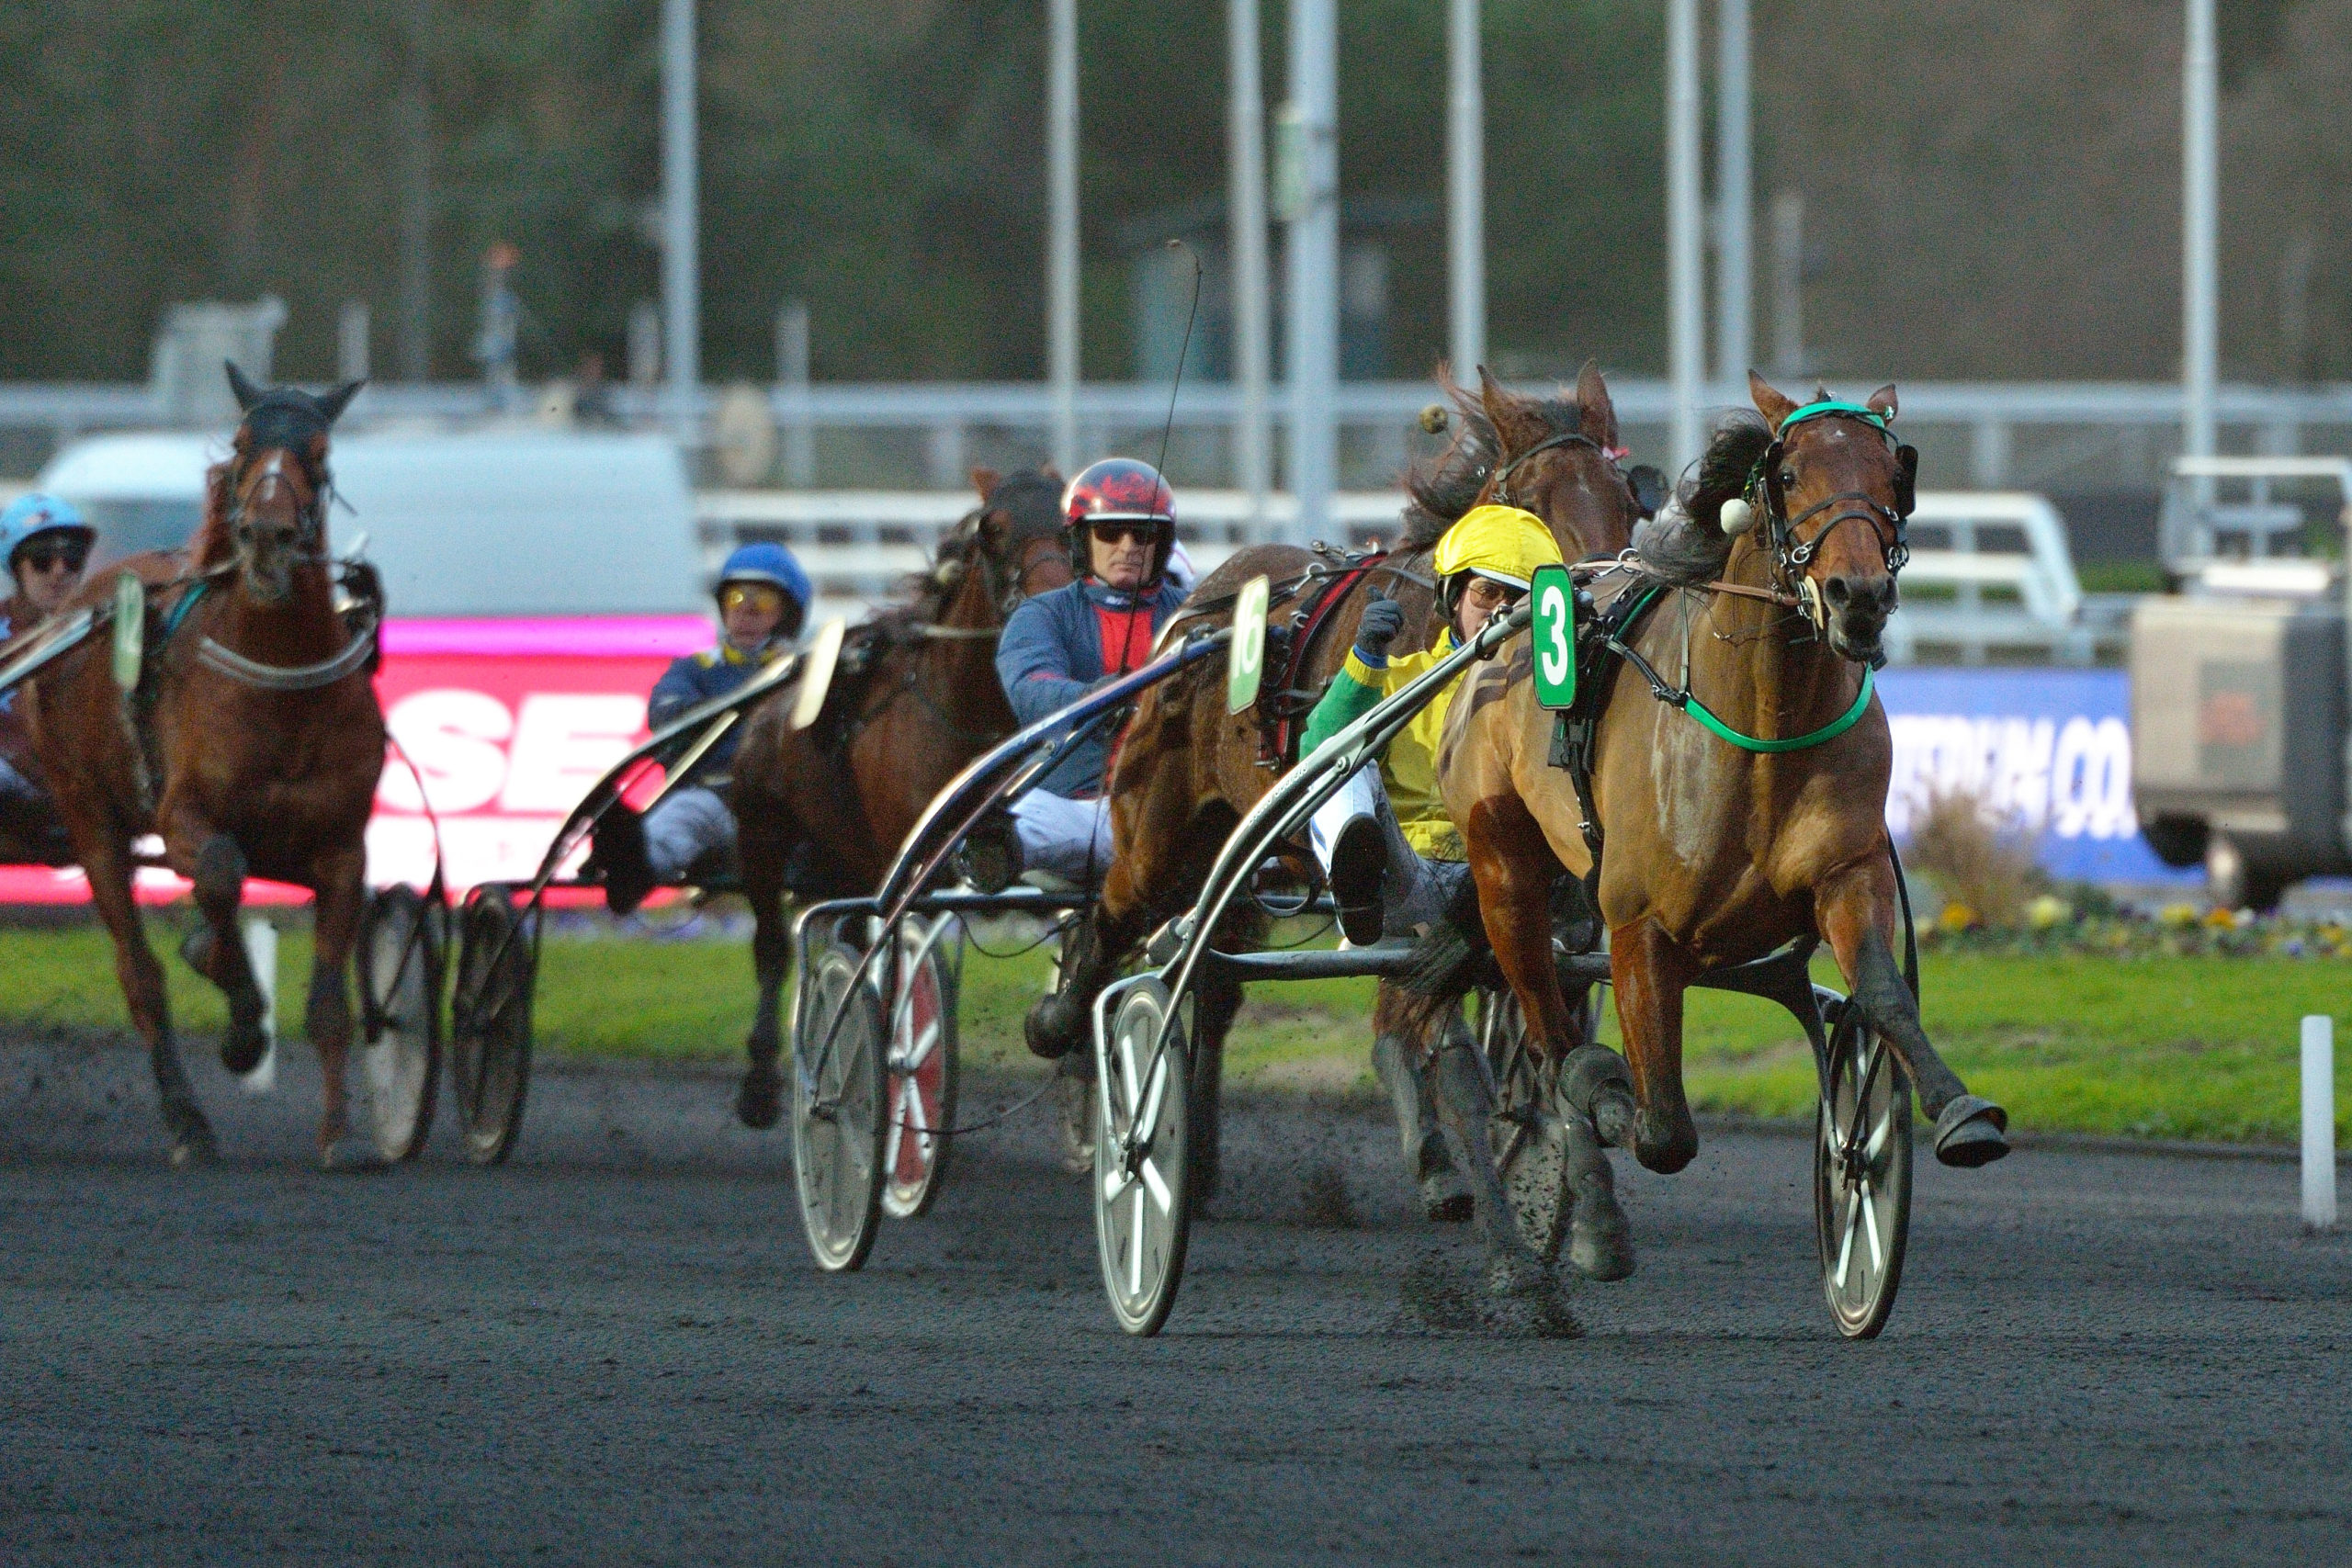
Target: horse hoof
(1077, 1096)
(242, 1047)
(1614, 1117)
(1446, 1197)
(194, 1147)
(1971, 1133)
(1663, 1147)
(758, 1104)
(1046, 1029)
(1526, 1299)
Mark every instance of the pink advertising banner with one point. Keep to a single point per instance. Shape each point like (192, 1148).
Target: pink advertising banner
(508, 722)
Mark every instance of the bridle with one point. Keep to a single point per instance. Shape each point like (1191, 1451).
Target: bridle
(1890, 524)
(310, 533)
(1006, 582)
(1646, 505)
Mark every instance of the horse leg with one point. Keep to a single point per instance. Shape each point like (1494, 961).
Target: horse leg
(1404, 1073)
(1856, 911)
(1651, 971)
(340, 876)
(108, 865)
(1060, 1021)
(215, 949)
(1523, 1291)
(759, 1103)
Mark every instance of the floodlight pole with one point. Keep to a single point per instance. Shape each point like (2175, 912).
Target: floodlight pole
(680, 266)
(1061, 228)
(2201, 325)
(1734, 215)
(1465, 184)
(1685, 323)
(1252, 350)
(1313, 258)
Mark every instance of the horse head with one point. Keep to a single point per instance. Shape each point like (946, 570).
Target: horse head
(1561, 459)
(1016, 536)
(277, 483)
(1835, 491)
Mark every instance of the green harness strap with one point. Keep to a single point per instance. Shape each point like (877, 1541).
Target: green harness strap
(1830, 731)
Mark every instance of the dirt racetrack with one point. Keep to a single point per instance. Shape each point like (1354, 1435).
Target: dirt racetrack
(615, 1349)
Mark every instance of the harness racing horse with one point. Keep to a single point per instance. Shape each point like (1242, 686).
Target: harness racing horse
(1737, 783)
(251, 741)
(821, 811)
(1186, 770)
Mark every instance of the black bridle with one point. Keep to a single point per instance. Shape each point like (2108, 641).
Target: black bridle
(1644, 485)
(1890, 524)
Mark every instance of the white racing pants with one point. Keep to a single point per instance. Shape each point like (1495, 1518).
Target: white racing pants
(1414, 892)
(1063, 838)
(688, 823)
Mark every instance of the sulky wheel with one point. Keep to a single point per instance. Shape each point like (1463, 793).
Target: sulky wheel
(1530, 1144)
(490, 1016)
(839, 1109)
(1142, 1204)
(1862, 1178)
(921, 1093)
(399, 982)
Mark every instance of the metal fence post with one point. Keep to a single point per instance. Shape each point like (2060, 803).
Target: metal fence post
(2319, 1123)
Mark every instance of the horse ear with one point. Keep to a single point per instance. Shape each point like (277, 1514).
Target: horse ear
(331, 404)
(985, 482)
(1773, 404)
(1882, 402)
(1598, 415)
(1516, 426)
(247, 393)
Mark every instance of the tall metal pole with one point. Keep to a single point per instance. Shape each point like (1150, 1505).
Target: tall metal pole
(1061, 227)
(414, 116)
(1465, 183)
(1314, 259)
(2200, 325)
(1246, 151)
(1735, 214)
(1685, 323)
(680, 266)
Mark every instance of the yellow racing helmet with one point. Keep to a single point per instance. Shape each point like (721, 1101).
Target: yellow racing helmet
(1501, 542)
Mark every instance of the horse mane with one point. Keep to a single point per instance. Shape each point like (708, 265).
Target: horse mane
(1686, 543)
(921, 597)
(210, 545)
(1443, 488)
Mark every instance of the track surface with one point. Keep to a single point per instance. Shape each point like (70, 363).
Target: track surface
(616, 1350)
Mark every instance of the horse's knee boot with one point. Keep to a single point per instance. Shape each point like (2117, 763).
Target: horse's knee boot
(1596, 1085)
(1600, 1240)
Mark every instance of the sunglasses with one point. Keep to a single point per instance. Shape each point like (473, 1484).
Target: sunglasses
(1113, 533)
(45, 556)
(758, 595)
(1487, 590)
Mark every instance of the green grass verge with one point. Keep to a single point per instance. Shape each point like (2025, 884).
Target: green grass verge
(2171, 1047)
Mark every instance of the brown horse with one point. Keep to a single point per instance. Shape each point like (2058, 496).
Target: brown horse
(1776, 573)
(821, 811)
(251, 744)
(1186, 769)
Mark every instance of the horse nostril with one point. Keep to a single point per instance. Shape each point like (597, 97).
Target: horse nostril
(1838, 592)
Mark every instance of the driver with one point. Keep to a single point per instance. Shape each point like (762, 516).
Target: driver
(1062, 643)
(763, 599)
(1387, 847)
(47, 546)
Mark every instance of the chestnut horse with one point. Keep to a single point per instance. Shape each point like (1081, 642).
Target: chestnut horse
(252, 743)
(821, 811)
(1776, 573)
(1186, 769)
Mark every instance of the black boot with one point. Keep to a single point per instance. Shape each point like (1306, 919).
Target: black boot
(1359, 866)
(617, 852)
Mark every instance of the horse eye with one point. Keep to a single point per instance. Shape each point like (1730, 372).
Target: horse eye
(1788, 476)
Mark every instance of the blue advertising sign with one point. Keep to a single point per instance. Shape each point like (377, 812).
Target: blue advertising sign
(2048, 750)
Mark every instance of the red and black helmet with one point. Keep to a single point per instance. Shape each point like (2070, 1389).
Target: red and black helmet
(1120, 490)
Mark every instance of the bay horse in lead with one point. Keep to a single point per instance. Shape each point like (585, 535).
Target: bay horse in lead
(249, 739)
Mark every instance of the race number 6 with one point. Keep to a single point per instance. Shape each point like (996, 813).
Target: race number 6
(1555, 637)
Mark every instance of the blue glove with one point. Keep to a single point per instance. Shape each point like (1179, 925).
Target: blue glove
(1382, 619)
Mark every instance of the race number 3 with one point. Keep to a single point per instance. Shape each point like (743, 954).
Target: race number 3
(1245, 662)
(1554, 623)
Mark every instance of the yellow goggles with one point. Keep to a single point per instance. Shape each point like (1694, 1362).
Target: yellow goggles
(765, 597)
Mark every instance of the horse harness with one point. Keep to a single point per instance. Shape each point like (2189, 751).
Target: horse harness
(1324, 587)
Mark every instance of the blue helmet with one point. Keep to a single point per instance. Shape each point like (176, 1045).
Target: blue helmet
(774, 564)
(38, 513)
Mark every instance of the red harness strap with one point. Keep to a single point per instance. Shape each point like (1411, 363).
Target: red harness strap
(1284, 704)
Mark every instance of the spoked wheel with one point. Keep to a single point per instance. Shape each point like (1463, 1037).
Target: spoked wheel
(1529, 1146)
(839, 1109)
(1142, 1201)
(1862, 1179)
(401, 939)
(489, 1045)
(922, 1066)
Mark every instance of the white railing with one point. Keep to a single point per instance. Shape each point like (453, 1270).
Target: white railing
(1990, 573)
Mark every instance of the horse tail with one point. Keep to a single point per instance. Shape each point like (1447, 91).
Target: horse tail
(1449, 959)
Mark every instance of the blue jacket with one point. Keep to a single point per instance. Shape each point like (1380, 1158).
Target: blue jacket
(698, 678)
(1051, 655)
